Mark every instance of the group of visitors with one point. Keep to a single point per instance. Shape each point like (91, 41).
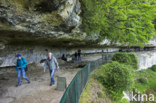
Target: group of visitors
(78, 56)
(51, 62)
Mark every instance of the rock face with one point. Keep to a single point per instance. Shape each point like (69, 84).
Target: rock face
(93, 50)
(41, 17)
(2, 46)
(34, 27)
(36, 54)
(32, 54)
(146, 59)
(151, 43)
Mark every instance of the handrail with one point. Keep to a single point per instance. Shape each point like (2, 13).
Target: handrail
(67, 97)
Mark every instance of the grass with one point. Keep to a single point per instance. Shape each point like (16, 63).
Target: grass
(149, 88)
(145, 83)
(141, 87)
(94, 92)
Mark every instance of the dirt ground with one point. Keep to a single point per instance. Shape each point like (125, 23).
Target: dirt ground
(38, 91)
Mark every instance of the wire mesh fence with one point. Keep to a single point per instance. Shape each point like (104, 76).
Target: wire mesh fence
(75, 88)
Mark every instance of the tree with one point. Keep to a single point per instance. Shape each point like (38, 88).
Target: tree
(120, 20)
(116, 77)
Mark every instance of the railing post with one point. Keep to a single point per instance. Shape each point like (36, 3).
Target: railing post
(88, 69)
(106, 56)
(102, 59)
(98, 63)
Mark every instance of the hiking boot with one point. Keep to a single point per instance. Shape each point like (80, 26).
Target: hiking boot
(29, 82)
(52, 84)
(18, 85)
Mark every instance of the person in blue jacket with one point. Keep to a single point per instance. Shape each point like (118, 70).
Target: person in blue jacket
(20, 67)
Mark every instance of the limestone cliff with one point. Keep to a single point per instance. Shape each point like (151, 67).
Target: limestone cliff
(39, 19)
(34, 27)
(42, 17)
(43, 21)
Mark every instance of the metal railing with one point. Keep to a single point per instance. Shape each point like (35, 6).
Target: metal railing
(77, 85)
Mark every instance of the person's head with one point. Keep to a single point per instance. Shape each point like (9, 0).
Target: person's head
(19, 56)
(50, 55)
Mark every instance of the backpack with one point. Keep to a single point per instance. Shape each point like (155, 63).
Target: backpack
(26, 68)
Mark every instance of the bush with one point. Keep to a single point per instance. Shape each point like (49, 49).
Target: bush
(153, 68)
(126, 58)
(115, 76)
(144, 80)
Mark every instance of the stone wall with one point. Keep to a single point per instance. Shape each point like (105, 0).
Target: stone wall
(32, 54)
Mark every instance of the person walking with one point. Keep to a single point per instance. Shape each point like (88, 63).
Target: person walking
(75, 56)
(79, 55)
(20, 67)
(64, 57)
(53, 65)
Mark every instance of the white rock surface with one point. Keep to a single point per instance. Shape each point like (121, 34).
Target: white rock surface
(152, 42)
(32, 54)
(146, 59)
(38, 53)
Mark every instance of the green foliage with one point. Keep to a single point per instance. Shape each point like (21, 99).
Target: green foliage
(126, 58)
(124, 101)
(154, 22)
(115, 77)
(144, 80)
(141, 87)
(153, 68)
(90, 96)
(146, 84)
(120, 20)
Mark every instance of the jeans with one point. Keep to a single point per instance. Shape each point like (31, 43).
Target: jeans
(23, 74)
(52, 76)
(79, 58)
(76, 59)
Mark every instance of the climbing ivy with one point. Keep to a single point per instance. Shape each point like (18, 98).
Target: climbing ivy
(124, 21)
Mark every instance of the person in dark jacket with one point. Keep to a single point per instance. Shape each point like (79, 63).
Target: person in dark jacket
(53, 65)
(20, 67)
(64, 57)
(79, 55)
(75, 56)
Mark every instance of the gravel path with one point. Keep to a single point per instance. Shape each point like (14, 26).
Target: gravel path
(38, 91)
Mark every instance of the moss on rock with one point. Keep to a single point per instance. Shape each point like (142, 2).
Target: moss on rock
(52, 18)
(25, 4)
